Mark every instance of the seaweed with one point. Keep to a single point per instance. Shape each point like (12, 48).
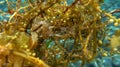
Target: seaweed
(75, 31)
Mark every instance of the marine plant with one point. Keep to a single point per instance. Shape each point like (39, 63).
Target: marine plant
(33, 25)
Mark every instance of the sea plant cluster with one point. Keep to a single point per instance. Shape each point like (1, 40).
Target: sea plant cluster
(43, 33)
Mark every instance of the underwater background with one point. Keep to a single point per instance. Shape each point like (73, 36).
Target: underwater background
(99, 61)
